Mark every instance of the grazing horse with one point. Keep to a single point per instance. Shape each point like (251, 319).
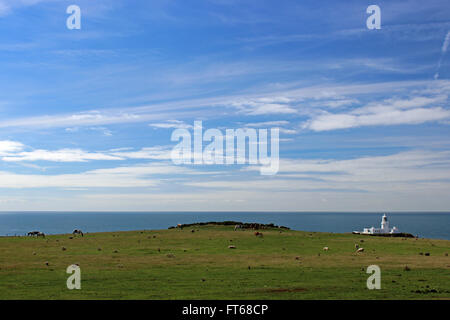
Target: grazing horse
(76, 231)
(33, 233)
(40, 234)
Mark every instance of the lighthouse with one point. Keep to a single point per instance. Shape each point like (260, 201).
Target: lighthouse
(384, 224)
(385, 229)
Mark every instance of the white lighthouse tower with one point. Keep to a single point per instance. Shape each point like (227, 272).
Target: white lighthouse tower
(384, 224)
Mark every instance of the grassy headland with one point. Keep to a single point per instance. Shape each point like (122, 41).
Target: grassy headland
(181, 264)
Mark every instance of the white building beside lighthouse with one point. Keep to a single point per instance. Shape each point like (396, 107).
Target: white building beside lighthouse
(384, 228)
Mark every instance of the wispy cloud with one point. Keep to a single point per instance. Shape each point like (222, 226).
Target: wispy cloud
(284, 102)
(390, 112)
(13, 151)
(123, 177)
(171, 124)
(7, 6)
(263, 106)
(443, 52)
(63, 155)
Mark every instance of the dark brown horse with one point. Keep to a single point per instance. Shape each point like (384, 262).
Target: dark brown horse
(36, 234)
(77, 231)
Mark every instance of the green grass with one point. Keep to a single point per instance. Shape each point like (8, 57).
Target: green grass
(199, 265)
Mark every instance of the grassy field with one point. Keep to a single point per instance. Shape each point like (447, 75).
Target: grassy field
(181, 264)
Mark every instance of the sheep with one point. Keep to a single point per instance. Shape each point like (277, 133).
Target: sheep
(231, 247)
(325, 248)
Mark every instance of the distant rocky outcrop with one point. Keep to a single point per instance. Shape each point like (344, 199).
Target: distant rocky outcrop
(243, 225)
(392, 235)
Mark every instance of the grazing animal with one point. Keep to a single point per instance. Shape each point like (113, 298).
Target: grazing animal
(238, 226)
(36, 233)
(77, 231)
(231, 247)
(259, 234)
(360, 250)
(325, 248)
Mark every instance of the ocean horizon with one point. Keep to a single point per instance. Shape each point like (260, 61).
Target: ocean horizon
(434, 225)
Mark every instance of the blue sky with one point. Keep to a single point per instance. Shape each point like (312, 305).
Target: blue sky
(86, 115)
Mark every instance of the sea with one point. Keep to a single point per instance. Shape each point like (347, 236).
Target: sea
(435, 225)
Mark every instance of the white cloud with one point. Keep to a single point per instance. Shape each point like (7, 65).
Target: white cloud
(265, 105)
(446, 43)
(401, 172)
(11, 151)
(63, 155)
(7, 147)
(337, 103)
(6, 6)
(278, 101)
(104, 131)
(267, 124)
(171, 124)
(443, 52)
(91, 118)
(389, 112)
(119, 177)
(155, 153)
(273, 124)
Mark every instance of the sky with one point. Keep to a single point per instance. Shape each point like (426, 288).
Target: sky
(86, 116)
